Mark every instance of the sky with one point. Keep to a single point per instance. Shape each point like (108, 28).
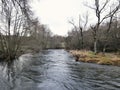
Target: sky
(57, 13)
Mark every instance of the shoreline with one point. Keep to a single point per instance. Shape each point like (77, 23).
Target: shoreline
(100, 58)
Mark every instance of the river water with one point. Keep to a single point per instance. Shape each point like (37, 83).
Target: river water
(57, 70)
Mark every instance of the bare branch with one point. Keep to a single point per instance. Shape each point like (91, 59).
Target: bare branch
(105, 4)
(73, 23)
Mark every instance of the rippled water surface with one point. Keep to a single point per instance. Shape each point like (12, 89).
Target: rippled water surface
(57, 70)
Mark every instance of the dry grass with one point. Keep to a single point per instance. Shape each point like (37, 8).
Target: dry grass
(100, 58)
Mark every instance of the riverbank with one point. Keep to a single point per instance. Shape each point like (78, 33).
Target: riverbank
(100, 58)
(24, 50)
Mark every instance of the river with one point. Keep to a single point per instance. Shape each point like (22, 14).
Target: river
(57, 70)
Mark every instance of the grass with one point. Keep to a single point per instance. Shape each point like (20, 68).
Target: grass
(100, 58)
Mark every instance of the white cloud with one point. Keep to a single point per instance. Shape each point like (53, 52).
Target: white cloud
(55, 13)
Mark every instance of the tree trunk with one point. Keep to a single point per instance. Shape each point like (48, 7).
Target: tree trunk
(82, 42)
(95, 46)
(104, 49)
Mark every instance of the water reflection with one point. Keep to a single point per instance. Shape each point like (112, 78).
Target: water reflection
(57, 70)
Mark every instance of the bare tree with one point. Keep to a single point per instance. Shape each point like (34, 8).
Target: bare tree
(13, 27)
(99, 9)
(39, 34)
(111, 25)
(79, 29)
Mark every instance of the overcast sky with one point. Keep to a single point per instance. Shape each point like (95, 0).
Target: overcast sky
(56, 13)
